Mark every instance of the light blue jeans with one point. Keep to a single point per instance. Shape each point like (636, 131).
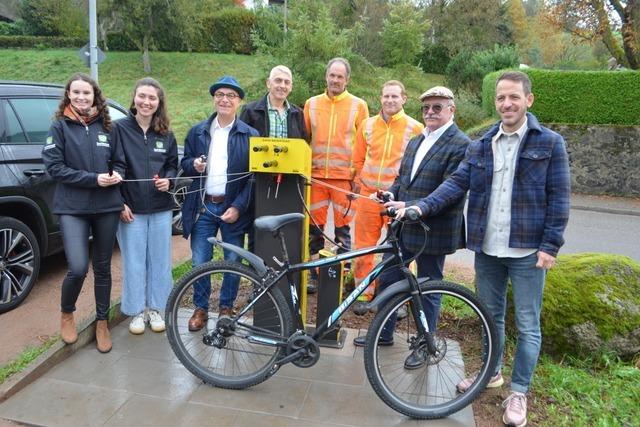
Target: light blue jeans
(145, 245)
(207, 226)
(527, 282)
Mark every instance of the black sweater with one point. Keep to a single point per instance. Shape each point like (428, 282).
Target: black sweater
(146, 155)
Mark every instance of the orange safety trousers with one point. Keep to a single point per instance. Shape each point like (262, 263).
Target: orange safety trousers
(368, 229)
(322, 196)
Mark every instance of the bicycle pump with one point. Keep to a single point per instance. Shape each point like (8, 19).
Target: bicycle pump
(282, 169)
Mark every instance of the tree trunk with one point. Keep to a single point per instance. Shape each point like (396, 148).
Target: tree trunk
(631, 34)
(606, 34)
(146, 61)
(103, 36)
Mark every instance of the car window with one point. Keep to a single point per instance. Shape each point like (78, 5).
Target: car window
(115, 114)
(35, 116)
(14, 130)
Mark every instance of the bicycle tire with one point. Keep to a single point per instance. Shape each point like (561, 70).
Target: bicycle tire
(466, 340)
(239, 363)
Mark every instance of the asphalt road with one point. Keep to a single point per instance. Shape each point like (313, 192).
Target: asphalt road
(590, 231)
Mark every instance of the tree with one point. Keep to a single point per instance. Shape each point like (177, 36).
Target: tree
(602, 20)
(55, 17)
(403, 34)
(143, 21)
(468, 25)
(518, 23)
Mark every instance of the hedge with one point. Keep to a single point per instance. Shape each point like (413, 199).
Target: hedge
(581, 97)
(40, 42)
(230, 31)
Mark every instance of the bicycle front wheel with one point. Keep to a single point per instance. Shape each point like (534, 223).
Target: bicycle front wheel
(230, 351)
(421, 383)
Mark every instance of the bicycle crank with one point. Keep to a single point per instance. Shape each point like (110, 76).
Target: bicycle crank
(306, 347)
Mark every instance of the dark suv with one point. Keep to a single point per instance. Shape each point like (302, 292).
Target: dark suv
(28, 229)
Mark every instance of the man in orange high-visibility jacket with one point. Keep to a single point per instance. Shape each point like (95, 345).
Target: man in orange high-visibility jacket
(331, 119)
(378, 149)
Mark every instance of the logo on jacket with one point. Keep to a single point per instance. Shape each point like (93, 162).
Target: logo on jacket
(103, 140)
(50, 144)
(159, 147)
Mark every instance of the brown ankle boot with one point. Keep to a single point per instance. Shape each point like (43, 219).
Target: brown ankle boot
(68, 331)
(103, 337)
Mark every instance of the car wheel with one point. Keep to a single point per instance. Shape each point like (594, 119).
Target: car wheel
(179, 195)
(19, 262)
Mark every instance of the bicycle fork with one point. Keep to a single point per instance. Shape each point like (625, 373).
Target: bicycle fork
(417, 310)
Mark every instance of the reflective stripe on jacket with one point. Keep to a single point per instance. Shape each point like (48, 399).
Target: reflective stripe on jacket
(332, 123)
(379, 147)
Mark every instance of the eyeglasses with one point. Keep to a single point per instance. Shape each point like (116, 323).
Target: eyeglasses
(230, 96)
(436, 108)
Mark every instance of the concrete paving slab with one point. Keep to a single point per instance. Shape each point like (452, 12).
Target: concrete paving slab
(152, 411)
(139, 383)
(333, 369)
(276, 396)
(50, 402)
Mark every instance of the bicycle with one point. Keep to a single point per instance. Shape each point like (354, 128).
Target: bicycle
(248, 347)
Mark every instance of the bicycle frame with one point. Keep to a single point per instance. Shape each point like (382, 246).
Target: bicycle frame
(391, 247)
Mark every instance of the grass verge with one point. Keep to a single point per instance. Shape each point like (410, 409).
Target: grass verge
(30, 354)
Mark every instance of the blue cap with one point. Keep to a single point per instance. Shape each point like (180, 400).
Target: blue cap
(228, 82)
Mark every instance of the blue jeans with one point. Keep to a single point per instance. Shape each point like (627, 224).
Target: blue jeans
(207, 226)
(145, 245)
(430, 266)
(527, 282)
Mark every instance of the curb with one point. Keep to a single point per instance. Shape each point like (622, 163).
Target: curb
(54, 355)
(606, 210)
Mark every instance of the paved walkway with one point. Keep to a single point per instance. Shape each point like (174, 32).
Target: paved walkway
(141, 383)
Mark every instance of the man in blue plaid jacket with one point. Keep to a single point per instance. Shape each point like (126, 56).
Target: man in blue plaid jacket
(518, 180)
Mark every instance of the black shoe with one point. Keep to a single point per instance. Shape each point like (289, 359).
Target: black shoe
(361, 341)
(312, 286)
(360, 308)
(415, 360)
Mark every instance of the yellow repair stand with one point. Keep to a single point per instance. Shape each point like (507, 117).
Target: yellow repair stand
(282, 169)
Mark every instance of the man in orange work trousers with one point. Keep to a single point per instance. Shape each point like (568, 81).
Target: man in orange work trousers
(379, 147)
(331, 119)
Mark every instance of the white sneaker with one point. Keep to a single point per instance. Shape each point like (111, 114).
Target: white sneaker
(155, 321)
(136, 326)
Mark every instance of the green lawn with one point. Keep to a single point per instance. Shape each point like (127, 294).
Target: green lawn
(186, 78)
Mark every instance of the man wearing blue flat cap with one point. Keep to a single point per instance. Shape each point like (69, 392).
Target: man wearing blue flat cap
(217, 149)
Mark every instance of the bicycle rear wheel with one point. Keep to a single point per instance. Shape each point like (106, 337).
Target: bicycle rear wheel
(221, 353)
(465, 342)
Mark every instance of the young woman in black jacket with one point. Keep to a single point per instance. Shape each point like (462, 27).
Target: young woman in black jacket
(88, 165)
(144, 234)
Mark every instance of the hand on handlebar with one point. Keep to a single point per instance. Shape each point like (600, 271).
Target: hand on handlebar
(381, 196)
(411, 213)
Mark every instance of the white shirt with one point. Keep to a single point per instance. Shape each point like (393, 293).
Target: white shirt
(505, 153)
(217, 158)
(429, 140)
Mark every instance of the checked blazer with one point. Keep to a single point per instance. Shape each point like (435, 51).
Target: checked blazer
(447, 228)
(540, 201)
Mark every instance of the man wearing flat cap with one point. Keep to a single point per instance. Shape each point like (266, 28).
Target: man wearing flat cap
(217, 149)
(428, 160)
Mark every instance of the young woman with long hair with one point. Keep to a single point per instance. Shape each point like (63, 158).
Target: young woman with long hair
(144, 234)
(87, 164)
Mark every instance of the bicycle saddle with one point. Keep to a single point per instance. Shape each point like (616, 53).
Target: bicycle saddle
(275, 222)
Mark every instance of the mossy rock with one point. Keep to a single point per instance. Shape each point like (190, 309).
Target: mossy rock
(591, 305)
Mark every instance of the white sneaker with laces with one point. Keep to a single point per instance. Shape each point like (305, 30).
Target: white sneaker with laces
(136, 326)
(515, 410)
(155, 321)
